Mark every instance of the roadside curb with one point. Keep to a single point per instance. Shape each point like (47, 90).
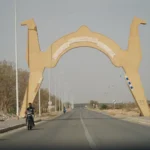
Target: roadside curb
(23, 124)
(16, 126)
(147, 123)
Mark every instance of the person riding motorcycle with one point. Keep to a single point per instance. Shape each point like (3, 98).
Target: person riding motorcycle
(64, 109)
(30, 109)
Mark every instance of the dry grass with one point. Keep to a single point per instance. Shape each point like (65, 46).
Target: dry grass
(122, 112)
(128, 109)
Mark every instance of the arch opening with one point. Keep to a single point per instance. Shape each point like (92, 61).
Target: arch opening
(98, 74)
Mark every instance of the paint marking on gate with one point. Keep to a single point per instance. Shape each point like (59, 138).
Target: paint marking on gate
(129, 82)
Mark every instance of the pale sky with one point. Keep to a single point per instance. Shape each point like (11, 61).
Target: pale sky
(86, 71)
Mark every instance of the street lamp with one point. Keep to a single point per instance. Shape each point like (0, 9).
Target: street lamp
(72, 102)
(59, 92)
(69, 92)
(49, 76)
(62, 89)
(39, 102)
(55, 92)
(57, 83)
(17, 95)
(62, 95)
(49, 87)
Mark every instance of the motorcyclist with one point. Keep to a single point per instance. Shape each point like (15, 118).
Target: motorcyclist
(30, 109)
(64, 109)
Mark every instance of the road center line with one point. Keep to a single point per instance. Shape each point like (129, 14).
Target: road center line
(88, 137)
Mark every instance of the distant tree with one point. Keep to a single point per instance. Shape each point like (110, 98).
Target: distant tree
(93, 103)
(8, 89)
(103, 106)
(7, 86)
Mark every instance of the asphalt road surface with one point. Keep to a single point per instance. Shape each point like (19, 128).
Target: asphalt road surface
(79, 129)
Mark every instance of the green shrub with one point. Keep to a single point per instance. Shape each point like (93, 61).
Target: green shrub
(103, 106)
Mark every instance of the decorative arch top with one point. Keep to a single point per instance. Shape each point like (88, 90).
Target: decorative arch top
(84, 37)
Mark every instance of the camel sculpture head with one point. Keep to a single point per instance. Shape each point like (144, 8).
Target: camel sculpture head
(30, 23)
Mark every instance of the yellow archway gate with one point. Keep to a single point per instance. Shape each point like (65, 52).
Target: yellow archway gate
(128, 59)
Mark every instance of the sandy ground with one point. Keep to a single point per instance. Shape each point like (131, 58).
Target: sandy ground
(121, 112)
(5, 117)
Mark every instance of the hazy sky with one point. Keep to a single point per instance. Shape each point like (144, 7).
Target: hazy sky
(86, 71)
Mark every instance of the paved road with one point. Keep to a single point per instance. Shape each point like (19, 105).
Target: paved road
(80, 129)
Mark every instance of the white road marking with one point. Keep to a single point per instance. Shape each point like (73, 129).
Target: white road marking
(88, 137)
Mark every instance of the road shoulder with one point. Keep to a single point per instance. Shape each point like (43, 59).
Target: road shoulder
(138, 120)
(13, 124)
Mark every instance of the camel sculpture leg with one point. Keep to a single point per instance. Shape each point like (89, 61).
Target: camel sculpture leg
(34, 83)
(131, 67)
(36, 68)
(138, 92)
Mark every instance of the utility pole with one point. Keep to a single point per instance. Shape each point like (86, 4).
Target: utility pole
(55, 93)
(59, 93)
(49, 76)
(39, 102)
(16, 57)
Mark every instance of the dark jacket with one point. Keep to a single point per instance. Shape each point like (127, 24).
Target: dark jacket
(31, 109)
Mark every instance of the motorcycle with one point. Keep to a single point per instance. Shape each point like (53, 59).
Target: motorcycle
(64, 111)
(29, 121)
